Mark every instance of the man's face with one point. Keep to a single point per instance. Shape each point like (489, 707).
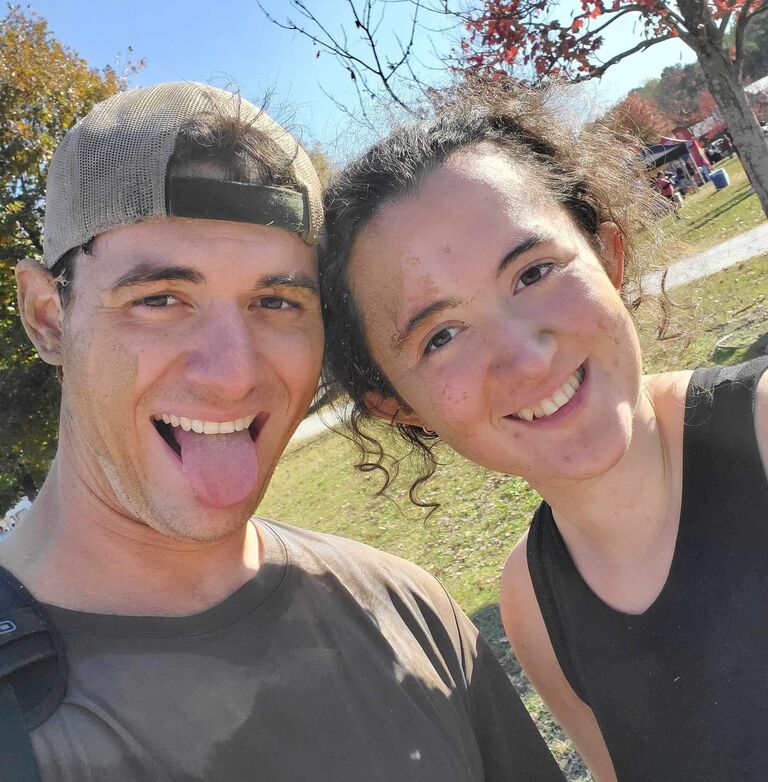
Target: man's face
(192, 325)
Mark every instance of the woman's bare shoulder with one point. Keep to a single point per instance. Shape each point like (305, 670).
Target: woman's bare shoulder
(667, 392)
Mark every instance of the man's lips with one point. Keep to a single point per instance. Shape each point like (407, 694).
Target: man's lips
(165, 424)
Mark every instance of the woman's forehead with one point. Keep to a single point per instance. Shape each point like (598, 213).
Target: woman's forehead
(474, 199)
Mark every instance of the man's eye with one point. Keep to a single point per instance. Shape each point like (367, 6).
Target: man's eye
(441, 338)
(275, 303)
(157, 302)
(533, 274)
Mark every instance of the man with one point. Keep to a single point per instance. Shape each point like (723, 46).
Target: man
(180, 307)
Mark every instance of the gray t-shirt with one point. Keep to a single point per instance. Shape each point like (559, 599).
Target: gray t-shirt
(336, 662)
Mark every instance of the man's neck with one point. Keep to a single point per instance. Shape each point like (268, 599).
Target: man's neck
(76, 551)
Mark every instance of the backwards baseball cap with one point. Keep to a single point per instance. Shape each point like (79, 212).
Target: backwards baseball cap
(111, 169)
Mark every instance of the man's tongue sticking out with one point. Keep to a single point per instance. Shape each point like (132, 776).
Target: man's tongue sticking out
(222, 468)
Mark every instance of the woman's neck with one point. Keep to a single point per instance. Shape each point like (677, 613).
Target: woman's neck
(621, 526)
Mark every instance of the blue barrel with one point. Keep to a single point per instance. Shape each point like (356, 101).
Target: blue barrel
(720, 178)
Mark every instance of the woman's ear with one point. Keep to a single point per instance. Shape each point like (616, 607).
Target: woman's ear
(40, 309)
(612, 252)
(390, 409)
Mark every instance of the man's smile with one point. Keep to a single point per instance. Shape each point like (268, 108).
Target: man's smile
(218, 458)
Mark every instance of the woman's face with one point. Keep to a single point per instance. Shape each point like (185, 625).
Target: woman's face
(497, 323)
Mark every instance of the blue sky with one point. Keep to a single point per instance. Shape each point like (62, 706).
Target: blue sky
(228, 42)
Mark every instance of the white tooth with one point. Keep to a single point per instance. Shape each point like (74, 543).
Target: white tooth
(526, 413)
(560, 398)
(548, 406)
(197, 426)
(569, 391)
(240, 424)
(249, 420)
(210, 427)
(227, 428)
(166, 418)
(573, 382)
(538, 412)
(185, 423)
(175, 420)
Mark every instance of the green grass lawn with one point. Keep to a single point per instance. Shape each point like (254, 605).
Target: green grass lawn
(483, 513)
(710, 216)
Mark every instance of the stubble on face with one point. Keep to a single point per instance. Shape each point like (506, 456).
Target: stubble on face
(120, 367)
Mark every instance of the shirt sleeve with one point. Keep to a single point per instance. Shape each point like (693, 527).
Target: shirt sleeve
(510, 745)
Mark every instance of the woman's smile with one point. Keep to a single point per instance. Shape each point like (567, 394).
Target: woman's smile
(489, 312)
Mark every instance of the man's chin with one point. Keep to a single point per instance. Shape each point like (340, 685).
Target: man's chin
(195, 522)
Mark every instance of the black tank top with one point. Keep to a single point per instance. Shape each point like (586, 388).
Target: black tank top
(681, 691)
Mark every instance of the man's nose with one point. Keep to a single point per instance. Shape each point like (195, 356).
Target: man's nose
(226, 359)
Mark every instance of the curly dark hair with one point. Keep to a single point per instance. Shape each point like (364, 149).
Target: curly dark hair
(594, 176)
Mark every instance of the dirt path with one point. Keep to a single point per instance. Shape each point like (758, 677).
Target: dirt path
(721, 256)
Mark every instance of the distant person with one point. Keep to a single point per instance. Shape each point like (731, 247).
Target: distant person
(664, 185)
(478, 279)
(179, 303)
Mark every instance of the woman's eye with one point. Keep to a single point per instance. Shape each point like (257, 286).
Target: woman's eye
(274, 303)
(533, 274)
(441, 338)
(157, 302)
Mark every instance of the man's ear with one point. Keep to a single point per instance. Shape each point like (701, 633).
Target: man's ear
(40, 309)
(612, 252)
(390, 409)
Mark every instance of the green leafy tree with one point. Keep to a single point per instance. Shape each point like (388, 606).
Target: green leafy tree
(322, 165)
(44, 88)
(755, 48)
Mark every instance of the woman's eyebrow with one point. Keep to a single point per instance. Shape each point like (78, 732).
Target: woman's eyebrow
(533, 241)
(436, 306)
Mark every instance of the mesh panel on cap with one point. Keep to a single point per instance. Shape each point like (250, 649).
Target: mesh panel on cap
(110, 168)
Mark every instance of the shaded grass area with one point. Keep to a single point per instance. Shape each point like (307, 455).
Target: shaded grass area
(482, 514)
(711, 216)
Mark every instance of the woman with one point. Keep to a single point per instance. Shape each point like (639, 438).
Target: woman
(473, 280)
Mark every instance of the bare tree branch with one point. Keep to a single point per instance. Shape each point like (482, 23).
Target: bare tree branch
(376, 66)
(361, 119)
(724, 22)
(642, 46)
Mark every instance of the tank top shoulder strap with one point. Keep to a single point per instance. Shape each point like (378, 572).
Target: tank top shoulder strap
(720, 427)
(721, 461)
(555, 579)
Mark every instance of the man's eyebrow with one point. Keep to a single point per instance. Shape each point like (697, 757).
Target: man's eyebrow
(288, 280)
(419, 317)
(533, 241)
(143, 273)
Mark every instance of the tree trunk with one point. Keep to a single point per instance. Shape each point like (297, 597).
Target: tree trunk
(726, 88)
(751, 142)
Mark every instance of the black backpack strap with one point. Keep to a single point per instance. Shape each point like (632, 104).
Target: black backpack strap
(17, 758)
(33, 677)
